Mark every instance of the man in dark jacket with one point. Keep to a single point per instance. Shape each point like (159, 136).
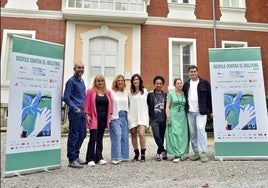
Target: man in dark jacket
(156, 101)
(198, 94)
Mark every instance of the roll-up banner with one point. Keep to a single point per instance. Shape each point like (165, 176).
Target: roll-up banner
(34, 107)
(239, 104)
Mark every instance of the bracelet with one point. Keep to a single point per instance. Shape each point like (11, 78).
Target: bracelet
(168, 118)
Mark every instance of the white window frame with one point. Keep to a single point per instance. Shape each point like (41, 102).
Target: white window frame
(235, 44)
(104, 31)
(181, 1)
(241, 3)
(180, 10)
(111, 5)
(171, 41)
(233, 13)
(103, 66)
(7, 33)
(25, 4)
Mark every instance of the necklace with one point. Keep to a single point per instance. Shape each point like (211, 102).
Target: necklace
(179, 96)
(180, 101)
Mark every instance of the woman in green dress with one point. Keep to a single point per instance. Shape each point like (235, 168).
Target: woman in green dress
(177, 136)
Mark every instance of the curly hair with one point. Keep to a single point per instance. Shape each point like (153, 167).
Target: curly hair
(159, 78)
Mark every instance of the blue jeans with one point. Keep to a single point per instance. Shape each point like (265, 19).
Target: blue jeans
(77, 134)
(197, 128)
(159, 135)
(119, 137)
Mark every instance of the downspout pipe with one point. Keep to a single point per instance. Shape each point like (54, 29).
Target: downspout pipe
(214, 24)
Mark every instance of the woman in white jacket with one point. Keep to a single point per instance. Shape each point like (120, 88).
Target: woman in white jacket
(138, 118)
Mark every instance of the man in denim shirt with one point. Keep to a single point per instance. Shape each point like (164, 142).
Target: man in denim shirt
(74, 97)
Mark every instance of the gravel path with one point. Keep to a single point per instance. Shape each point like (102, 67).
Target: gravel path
(149, 174)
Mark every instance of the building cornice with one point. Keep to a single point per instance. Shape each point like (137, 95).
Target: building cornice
(57, 15)
(35, 14)
(249, 26)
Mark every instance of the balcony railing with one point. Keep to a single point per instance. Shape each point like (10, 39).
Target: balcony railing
(110, 5)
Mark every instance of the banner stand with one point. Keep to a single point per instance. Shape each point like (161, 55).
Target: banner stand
(239, 104)
(33, 141)
(20, 173)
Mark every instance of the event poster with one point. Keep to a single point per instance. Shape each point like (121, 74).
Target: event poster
(238, 96)
(34, 116)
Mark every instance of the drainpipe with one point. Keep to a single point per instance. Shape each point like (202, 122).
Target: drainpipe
(214, 24)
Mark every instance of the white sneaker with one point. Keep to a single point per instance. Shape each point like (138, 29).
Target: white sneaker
(176, 160)
(115, 162)
(158, 157)
(102, 162)
(91, 163)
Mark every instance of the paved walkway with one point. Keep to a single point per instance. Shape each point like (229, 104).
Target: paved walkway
(149, 174)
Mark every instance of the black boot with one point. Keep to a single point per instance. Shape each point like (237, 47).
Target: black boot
(143, 155)
(137, 154)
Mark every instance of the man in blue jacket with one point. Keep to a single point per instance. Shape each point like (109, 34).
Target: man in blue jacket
(198, 94)
(74, 97)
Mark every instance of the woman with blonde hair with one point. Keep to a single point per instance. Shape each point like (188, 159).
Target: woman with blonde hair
(98, 109)
(119, 124)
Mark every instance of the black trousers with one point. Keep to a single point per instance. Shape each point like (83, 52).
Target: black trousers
(159, 129)
(95, 144)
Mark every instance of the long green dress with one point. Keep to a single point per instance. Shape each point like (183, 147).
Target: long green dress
(177, 136)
